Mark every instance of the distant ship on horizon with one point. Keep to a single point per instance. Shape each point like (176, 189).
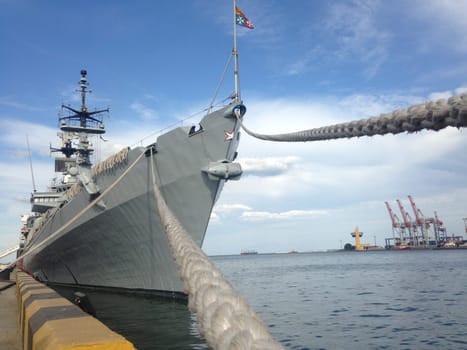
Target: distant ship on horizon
(248, 252)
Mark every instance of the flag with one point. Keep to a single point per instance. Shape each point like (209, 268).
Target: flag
(241, 19)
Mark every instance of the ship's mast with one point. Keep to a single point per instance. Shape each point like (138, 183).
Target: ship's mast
(83, 84)
(235, 54)
(83, 123)
(80, 124)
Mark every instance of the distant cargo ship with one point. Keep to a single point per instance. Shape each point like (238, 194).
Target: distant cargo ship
(248, 252)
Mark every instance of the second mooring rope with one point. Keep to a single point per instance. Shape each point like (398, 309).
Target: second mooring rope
(431, 115)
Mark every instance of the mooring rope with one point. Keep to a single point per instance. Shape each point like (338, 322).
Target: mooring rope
(103, 166)
(225, 319)
(110, 162)
(73, 190)
(431, 115)
(94, 202)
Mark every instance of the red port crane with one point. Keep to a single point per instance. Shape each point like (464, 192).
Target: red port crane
(420, 221)
(395, 224)
(419, 229)
(398, 230)
(438, 221)
(404, 214)
(411, 226)
(440, 231)
(416, 211)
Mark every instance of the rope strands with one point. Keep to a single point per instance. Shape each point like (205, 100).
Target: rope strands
(73, 191)
(431, 115)
(111, 162)
(225, 319)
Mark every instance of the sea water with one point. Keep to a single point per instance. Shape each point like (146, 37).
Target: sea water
(357, 300)
(335, 300)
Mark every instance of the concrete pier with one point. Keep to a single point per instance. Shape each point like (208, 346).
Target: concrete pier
(35, 317)
(9, 333)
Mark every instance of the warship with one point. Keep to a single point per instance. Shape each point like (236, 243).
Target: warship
(99, 225)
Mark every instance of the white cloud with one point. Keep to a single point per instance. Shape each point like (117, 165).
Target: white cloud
(14, 137)
(358, 36)
(290, 214)
(146, 113)
(16, 181)
(214, 218)
(368, 105)
(267, 166)
(222, 211)
(353, 33)
(439, 95)
(363, 32)
(451, 16)
(9, 101)
(228, 208)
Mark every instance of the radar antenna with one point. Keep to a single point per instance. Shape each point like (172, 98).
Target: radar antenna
(82, 120)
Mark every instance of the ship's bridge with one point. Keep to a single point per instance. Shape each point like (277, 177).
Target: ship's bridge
(43, 201)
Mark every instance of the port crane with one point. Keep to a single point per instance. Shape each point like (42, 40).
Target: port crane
(440, 230)
(398, 229)
(420, 232)
(408, 224)
(421, 222)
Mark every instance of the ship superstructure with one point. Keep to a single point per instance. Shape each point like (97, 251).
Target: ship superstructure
(75, 163)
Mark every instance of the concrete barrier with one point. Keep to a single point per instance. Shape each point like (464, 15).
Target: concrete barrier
(49, 321)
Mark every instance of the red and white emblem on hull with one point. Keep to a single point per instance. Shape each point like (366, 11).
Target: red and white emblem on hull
(229, 135)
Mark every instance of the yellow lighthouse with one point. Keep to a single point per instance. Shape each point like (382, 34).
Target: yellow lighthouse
(359, 246)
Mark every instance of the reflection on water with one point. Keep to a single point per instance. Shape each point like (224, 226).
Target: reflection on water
(149, 322)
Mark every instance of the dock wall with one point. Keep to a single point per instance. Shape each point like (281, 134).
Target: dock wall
(49, 321)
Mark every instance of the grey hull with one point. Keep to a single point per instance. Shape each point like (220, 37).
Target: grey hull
(120, 242)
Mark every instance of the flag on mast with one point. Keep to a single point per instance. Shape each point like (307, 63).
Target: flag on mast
(242, 20)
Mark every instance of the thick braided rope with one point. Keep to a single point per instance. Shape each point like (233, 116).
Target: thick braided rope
(431, 115)
(225, 319)
(110, 162)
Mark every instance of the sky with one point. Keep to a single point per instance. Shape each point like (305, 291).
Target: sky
(306, 64)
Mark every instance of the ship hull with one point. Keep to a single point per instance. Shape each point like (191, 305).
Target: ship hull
(116, 240)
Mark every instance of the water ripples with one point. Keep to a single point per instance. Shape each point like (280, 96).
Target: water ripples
(372, 300)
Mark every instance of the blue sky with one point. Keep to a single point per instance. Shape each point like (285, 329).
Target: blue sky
(306, 64)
